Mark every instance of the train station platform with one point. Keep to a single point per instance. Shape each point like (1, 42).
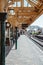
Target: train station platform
(27, 53)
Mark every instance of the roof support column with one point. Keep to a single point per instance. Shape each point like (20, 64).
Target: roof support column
(2, 41)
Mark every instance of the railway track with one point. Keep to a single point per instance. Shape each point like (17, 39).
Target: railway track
(37, 41)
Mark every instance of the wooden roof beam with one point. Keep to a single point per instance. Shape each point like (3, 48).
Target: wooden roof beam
(34, 18)
(18, 9)
(17, 14)
(26, 14)
(28, 8)
(15, 0)
(34, 5)
(31, 3)
(41, 1)
(41, 8)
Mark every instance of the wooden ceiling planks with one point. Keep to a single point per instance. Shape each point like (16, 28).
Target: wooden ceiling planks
(22, 14)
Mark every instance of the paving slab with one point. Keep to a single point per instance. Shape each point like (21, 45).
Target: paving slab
(27, 53)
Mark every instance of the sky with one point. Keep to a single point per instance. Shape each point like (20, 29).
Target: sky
(39, 21)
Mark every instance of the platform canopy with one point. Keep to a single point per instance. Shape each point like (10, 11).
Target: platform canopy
(21, 11)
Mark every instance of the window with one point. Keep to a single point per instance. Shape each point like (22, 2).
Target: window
(14, 5)
(25, 3)
(19, 4)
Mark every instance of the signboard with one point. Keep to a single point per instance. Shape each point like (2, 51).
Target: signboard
(24, 26)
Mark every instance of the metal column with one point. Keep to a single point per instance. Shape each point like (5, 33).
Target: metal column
(16, 38)
(2, 55)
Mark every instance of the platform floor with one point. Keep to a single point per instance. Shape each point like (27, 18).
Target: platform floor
(27, 53)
